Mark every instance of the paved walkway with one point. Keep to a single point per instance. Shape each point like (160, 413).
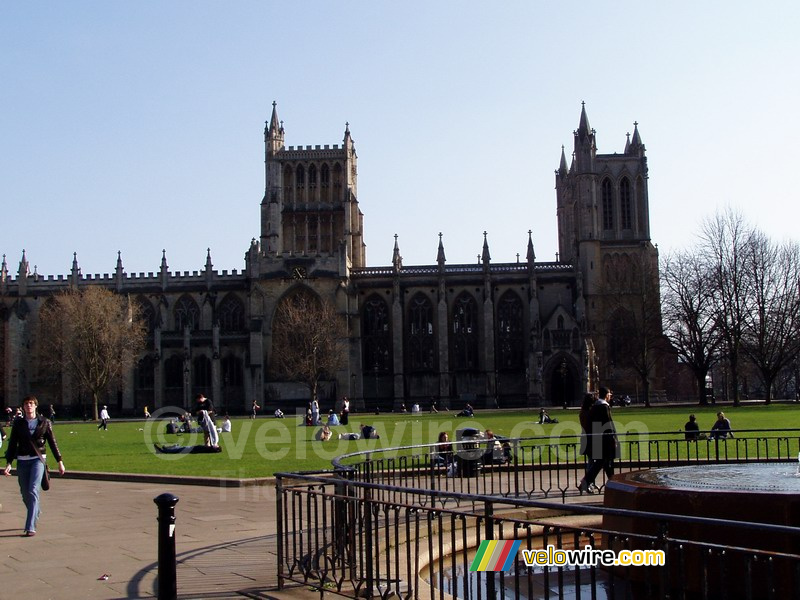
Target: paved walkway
(225, 541)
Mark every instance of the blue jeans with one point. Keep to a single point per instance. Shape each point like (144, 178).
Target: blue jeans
(29, 474)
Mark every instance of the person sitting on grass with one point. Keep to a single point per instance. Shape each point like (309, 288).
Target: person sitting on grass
(691, 431)
(545, 418)
(323, 434)
(722, 428)
(226, 424)
(368, 432)
(333, 419)
(467, 412)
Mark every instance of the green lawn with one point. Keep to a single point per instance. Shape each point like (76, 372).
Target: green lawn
(265, 446)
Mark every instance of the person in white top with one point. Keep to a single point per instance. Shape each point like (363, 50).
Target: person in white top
(104, 418)
(226, 424)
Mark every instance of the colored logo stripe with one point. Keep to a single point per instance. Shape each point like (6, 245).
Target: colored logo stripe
(495, 555)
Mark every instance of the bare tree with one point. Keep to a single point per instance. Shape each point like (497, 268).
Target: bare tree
(93, 336)
(770, 337)
(725, 238)
(309, 340)
(690, 322)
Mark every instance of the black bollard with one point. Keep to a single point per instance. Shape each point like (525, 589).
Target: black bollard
(167, 582)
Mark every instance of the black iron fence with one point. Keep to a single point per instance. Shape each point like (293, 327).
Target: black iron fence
(403, 522)
(550, 468)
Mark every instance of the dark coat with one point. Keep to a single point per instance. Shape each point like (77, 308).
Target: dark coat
(603, 441)
(20, 441)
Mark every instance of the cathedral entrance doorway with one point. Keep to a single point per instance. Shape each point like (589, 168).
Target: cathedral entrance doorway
(563, 384)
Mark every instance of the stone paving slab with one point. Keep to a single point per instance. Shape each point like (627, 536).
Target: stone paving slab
(225, 541)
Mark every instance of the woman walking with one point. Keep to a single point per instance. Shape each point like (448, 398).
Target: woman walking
(26, 444)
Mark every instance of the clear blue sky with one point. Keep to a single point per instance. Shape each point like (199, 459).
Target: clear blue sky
(138, 125)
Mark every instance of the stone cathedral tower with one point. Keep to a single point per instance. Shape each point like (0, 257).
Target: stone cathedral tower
(310, 204)
(604, 230)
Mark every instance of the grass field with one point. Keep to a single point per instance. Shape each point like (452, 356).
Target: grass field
(262, 447)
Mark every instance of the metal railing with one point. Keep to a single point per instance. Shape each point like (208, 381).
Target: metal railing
(551, 468)
(396, 523)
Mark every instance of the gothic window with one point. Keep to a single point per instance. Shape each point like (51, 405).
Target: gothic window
(509, 332)
(300, 176)
(287, 183)
(173, 372)
(376, 336)
(625, 203)
(230, 314)
(421, 346)
(145, 374)
(464, 337)
(608, 205)
(325, 179)
(147, 313)
(187, 314)
(232, 372)
(201, 371)
(337, 181)
(312, 176)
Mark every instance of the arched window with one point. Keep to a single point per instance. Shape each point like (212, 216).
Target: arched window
(312, 176)
(230, 314)
(625, 203)
(187, 314)
(288, 183)
(464, 336)
(300, 176)
(337, 182)
(421, 346)
(146, 313)
(376, 336)
(607, 196)
(509, 332)
(201, 371)
(325, 181)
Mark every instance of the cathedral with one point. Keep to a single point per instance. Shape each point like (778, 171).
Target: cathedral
(527, 333)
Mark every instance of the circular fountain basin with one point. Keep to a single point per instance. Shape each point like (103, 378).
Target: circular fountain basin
(766, 493)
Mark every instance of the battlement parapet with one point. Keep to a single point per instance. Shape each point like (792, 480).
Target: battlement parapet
(312, 152)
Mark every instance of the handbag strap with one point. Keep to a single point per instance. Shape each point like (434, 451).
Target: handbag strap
(35, 446)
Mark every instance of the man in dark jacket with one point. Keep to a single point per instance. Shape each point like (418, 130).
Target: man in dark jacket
(602, 444)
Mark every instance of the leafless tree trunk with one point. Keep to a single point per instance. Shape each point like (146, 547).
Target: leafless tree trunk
(689, 318)
(94, 335)
(770, 338)
(308, 340)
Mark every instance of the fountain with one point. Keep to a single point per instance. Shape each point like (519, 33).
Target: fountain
(766, 493)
